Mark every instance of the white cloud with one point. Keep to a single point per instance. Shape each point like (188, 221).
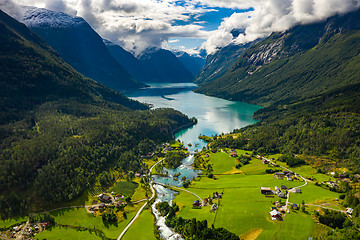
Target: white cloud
(273, 15)
(12, 9)
(138, 24)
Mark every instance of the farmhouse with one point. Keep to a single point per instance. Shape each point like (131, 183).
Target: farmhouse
(279, 175)
(265, 161)
(196, 203)
(283, 187)
(298, 190)
(104, 198)
(295, 206)
(233, 154)
(217, 195)
(280, 194)
(349, 211)
(214, 207)
(119, 203)
(275, 215)
(265, 190)
(332, 184)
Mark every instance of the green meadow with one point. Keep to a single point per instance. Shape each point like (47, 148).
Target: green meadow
(55, 233)
(142, 228)
(78, 217)
(9, 222)
(243, 209)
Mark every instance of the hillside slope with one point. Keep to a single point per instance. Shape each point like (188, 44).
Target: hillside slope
(128, 61)
(80, 46)
(60, 130)
(220, 62)
(301, 62)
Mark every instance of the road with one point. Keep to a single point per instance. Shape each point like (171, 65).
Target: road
(292, 189)
(140, 210)
(334, 209)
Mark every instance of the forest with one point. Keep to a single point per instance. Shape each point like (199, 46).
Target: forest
(59, 130)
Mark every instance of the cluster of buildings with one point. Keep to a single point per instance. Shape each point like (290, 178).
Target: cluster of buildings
(289, 175)
(25, 231)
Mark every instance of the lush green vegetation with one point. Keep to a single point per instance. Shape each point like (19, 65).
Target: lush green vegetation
(193, 229)
(333, 219)
(220, 62)
(291, 161)
(173, 159)
(295, 68)
(57, 232)
(244, 211)
(125, 188)
(145, 222)
(60, 130)
(313, 108)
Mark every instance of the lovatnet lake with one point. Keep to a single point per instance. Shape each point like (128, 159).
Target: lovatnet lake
(215, 115)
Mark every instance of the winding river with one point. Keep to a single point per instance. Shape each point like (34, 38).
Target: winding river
(215, 116)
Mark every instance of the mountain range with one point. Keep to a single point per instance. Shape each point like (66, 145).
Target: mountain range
(80, 46)
(193, 62)
(105, 62)
(163, 66)
(301, 62)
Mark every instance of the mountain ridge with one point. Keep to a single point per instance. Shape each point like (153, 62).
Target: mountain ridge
(278, 68)
(80, 46)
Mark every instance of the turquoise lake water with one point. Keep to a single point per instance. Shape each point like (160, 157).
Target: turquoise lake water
(215, 115)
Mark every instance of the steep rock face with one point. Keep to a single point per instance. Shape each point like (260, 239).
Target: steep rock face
(163, 66)
(219, 63)
(303, 61)
(193, 63)
(80, 46)
(128, 61)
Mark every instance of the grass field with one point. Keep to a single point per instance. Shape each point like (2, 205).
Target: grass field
(79, 217)
(297, 225)
(125, 188)
(243, 210)
(9, 222)
(145, 223)
(222, 162)
(313, 194)
(55, 233)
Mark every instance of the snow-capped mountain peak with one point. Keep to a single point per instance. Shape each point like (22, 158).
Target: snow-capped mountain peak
(44, 18)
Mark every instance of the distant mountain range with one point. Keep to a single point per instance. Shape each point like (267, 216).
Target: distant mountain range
(105, 62)
(303, 61)
(163, 66)
(193, 62)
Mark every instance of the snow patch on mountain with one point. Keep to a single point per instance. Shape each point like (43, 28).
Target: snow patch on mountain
(44, 18)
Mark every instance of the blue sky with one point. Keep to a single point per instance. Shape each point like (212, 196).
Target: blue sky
(187, 24)
(210, 21)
